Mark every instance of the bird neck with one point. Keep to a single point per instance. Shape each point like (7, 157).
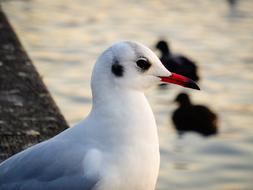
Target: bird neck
(165, 51)
(186, 104)
(118, 100)
(124, 112)
(124, 105)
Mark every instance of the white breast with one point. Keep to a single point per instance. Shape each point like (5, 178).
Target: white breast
(131, 150)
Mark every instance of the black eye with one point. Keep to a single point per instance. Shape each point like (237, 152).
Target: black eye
(143, 63)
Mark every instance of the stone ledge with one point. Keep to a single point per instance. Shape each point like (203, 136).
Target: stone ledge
(28, 114)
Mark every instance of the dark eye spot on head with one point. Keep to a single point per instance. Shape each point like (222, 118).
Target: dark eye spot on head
(143, 64)
(117, 69)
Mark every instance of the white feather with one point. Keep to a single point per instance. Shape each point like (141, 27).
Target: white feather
(115, 147)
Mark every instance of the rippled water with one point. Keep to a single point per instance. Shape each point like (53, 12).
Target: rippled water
(64, 37)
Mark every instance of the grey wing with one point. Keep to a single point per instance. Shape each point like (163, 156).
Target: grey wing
(47, 166)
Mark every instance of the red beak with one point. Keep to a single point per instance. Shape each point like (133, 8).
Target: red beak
(180, 80)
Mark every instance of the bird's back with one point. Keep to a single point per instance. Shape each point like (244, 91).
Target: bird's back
(45, 166)
(196, 118)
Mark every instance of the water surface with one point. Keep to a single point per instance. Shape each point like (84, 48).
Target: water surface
(64, 37)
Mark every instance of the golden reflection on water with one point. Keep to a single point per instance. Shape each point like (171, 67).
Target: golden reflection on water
(64, 38)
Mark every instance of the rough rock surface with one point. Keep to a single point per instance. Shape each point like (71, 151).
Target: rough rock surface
(28, 113)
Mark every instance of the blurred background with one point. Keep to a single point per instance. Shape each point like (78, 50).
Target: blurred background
(64, 38)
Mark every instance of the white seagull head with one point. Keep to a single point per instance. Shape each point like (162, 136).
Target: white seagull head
(131, 65)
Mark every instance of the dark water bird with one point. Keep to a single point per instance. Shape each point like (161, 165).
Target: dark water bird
(177, 63)
(196, 118)
(232, 3)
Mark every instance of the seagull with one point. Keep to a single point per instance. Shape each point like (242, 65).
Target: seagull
(116, 145)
